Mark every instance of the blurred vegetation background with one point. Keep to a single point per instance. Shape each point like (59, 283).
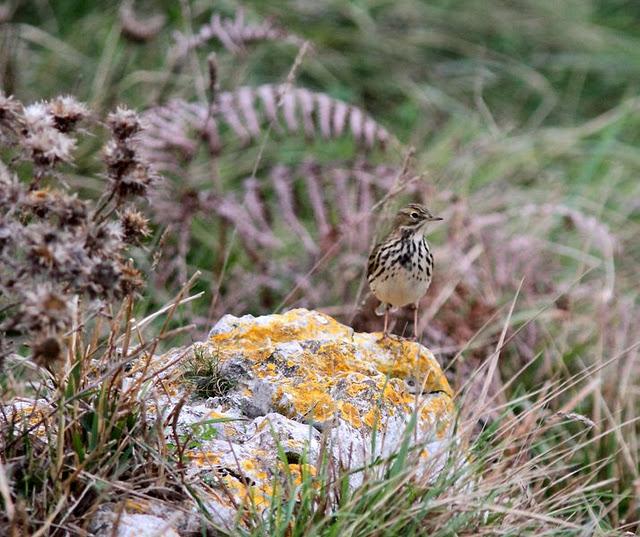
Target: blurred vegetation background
(535, 97)
(524, 119)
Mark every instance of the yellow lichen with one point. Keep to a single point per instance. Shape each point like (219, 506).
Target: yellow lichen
(356, 388)
(436, 406)
(312, 399)
(343, 358)
(234, 486)
(350, 413)
(292, 443)
(34, 416)
(136, 506)
(396, 395)
(298, 471)
(203, 458)
(254, 496)
(372, 417)
(320, 369)
(409, 360)
(251, 470)
(229, 430)
(284, 328)
(335, 358)
(266, 370)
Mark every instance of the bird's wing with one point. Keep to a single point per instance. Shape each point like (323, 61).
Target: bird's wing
(372, 263)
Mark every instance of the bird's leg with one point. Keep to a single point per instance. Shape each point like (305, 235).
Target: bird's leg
(386, 321)
(415, 321)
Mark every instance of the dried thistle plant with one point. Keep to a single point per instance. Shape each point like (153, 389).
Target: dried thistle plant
(66, 293)
(63, 258)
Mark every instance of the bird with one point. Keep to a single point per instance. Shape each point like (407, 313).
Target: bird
(400, 266)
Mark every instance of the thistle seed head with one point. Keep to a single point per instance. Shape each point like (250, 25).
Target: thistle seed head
(104, 280)
(104, 240)
(11, 191)
(45, 144)
(46, 351)
(134, 183)
(67, 111)
(69, 210)
(44, 310)
(134, 225)
(123, 123)
(130, 279)
(10, 112)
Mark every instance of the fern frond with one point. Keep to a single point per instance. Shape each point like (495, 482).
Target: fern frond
(175, 133)
(234, 34)
(180, 126)
(139, 28)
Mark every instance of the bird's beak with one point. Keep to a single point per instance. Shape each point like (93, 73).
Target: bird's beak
(435, 218)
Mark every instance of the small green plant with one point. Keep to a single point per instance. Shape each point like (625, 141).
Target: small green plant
(202, 370)
(205, 430)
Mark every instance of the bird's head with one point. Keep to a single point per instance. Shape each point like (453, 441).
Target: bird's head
(414, 217)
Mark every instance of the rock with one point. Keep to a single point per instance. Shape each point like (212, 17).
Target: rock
(300, 375)
(132, 524)
(291, 387)
(144, 526)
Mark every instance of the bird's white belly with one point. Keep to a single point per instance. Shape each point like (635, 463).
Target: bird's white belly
(400, 289)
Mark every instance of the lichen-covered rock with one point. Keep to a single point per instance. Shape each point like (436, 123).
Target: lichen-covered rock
(300, 374)
(292, 387)
(312, 369)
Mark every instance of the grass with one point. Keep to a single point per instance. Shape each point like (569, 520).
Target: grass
(524, 119)
(510, 479)
(203, 371)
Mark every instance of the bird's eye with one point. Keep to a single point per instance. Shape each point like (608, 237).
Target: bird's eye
(415, 215)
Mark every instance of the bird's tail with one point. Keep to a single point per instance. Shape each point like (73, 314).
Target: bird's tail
(381, 309)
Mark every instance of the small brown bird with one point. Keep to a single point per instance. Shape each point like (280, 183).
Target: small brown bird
(400, 267)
